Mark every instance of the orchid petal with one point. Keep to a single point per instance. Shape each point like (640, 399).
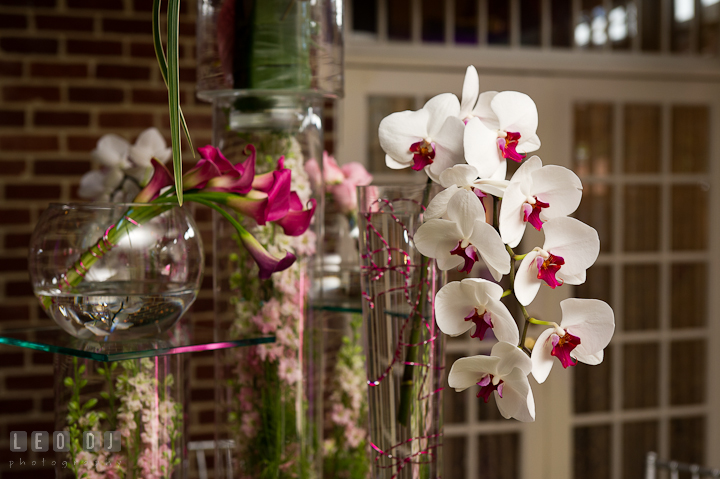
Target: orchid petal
(528, 144)
(516, 112)
(481, 149)
(458, 175)
(492, 187)
(451, 309)
(542, 360)
(504, 326)
(436, 238)
(501, 171)
(560, 188)
(400, 130)
(481, 290)
(395, 165)
(589, 359)
(112, 150)
(150, 143)
(438, 205)
(91, 185)
(527, 284)
(439, 108)
(511, 357)
(484, 111)
(517, 400)
(448, 148)
(512, 225)
(464, 209)
(574, 241)
(592, 320)
(296, 222)
(466, 372)
(491, 248)
(470, 90)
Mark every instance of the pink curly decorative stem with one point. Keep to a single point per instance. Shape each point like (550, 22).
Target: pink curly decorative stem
(374, 272)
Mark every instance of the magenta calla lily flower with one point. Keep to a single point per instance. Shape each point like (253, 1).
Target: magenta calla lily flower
(214, 155)
(197, 177)
(253, 205)
(160, 179)
(266, 181)
(297, 220)
(235, 179)
(267, 263)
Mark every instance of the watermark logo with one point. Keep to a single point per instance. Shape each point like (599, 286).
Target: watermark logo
(39, 441)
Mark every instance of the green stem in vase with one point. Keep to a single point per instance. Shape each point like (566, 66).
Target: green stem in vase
(408, 379)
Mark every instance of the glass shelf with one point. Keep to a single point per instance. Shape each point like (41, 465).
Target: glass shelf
(176, 341)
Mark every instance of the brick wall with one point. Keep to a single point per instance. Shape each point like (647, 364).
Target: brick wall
(70, 72)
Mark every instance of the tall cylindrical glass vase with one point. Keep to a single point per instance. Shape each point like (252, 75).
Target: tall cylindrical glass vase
(269, 396)
(405, 362)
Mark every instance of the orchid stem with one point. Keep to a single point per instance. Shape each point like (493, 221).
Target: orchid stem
(542, 323)
(526, 316)
(406, 386)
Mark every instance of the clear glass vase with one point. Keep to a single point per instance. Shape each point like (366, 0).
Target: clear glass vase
(263, 46)
(134, 411)
(269, 396)
(405, 360)
(115, 271)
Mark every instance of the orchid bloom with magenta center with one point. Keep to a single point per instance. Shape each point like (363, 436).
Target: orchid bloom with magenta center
(505, 372)
(536, 194)
(570, 248)
(585, 331)
(458, 240)
(460, 304)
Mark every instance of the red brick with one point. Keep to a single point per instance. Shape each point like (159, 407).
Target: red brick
(61, 167)
(82, 143)
(11, 360)
(28, 3)
(15, 240)
(95, 95)
(187, 75)
(147, 50)
(142, 27)
(14, 216)
(193, 120)
(205, 372)
(203, 304)
(125, 120)
(32, 192)
(33, 425)
(122, 72)
(206, 417)
(95, 5)
(42, 358)
(10, 69)
(12, 264)
(93, 47)
(43, 471)
(61, 118)
(207, 394)
(29, 93)
(15, 406)
(28, 143)
(13, 22)
(187, 29)
(29, 45)
(47, 404)
(18, 288)
(158, 97)
(12, 118)
(12, 167)
(17, 312)
(59, 70)
(64, 23)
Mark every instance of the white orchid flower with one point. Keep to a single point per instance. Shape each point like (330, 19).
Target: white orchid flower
(150, 144)
(570, 248)
(505, 371)
(585, 331)
(535, 195)
(112, 153)
(498, 126)
(430, 138)
(462, 177)
(455, 240)
(460, 304)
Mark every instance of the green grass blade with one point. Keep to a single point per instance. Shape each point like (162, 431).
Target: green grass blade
(173, 82)
(162, 63)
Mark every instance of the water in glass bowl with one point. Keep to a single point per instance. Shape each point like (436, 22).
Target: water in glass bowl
(118, 310)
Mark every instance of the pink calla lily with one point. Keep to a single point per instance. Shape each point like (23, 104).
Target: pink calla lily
(160, 179)
(297, 220)
(267, 263)
(235, 179)
(253, 205)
